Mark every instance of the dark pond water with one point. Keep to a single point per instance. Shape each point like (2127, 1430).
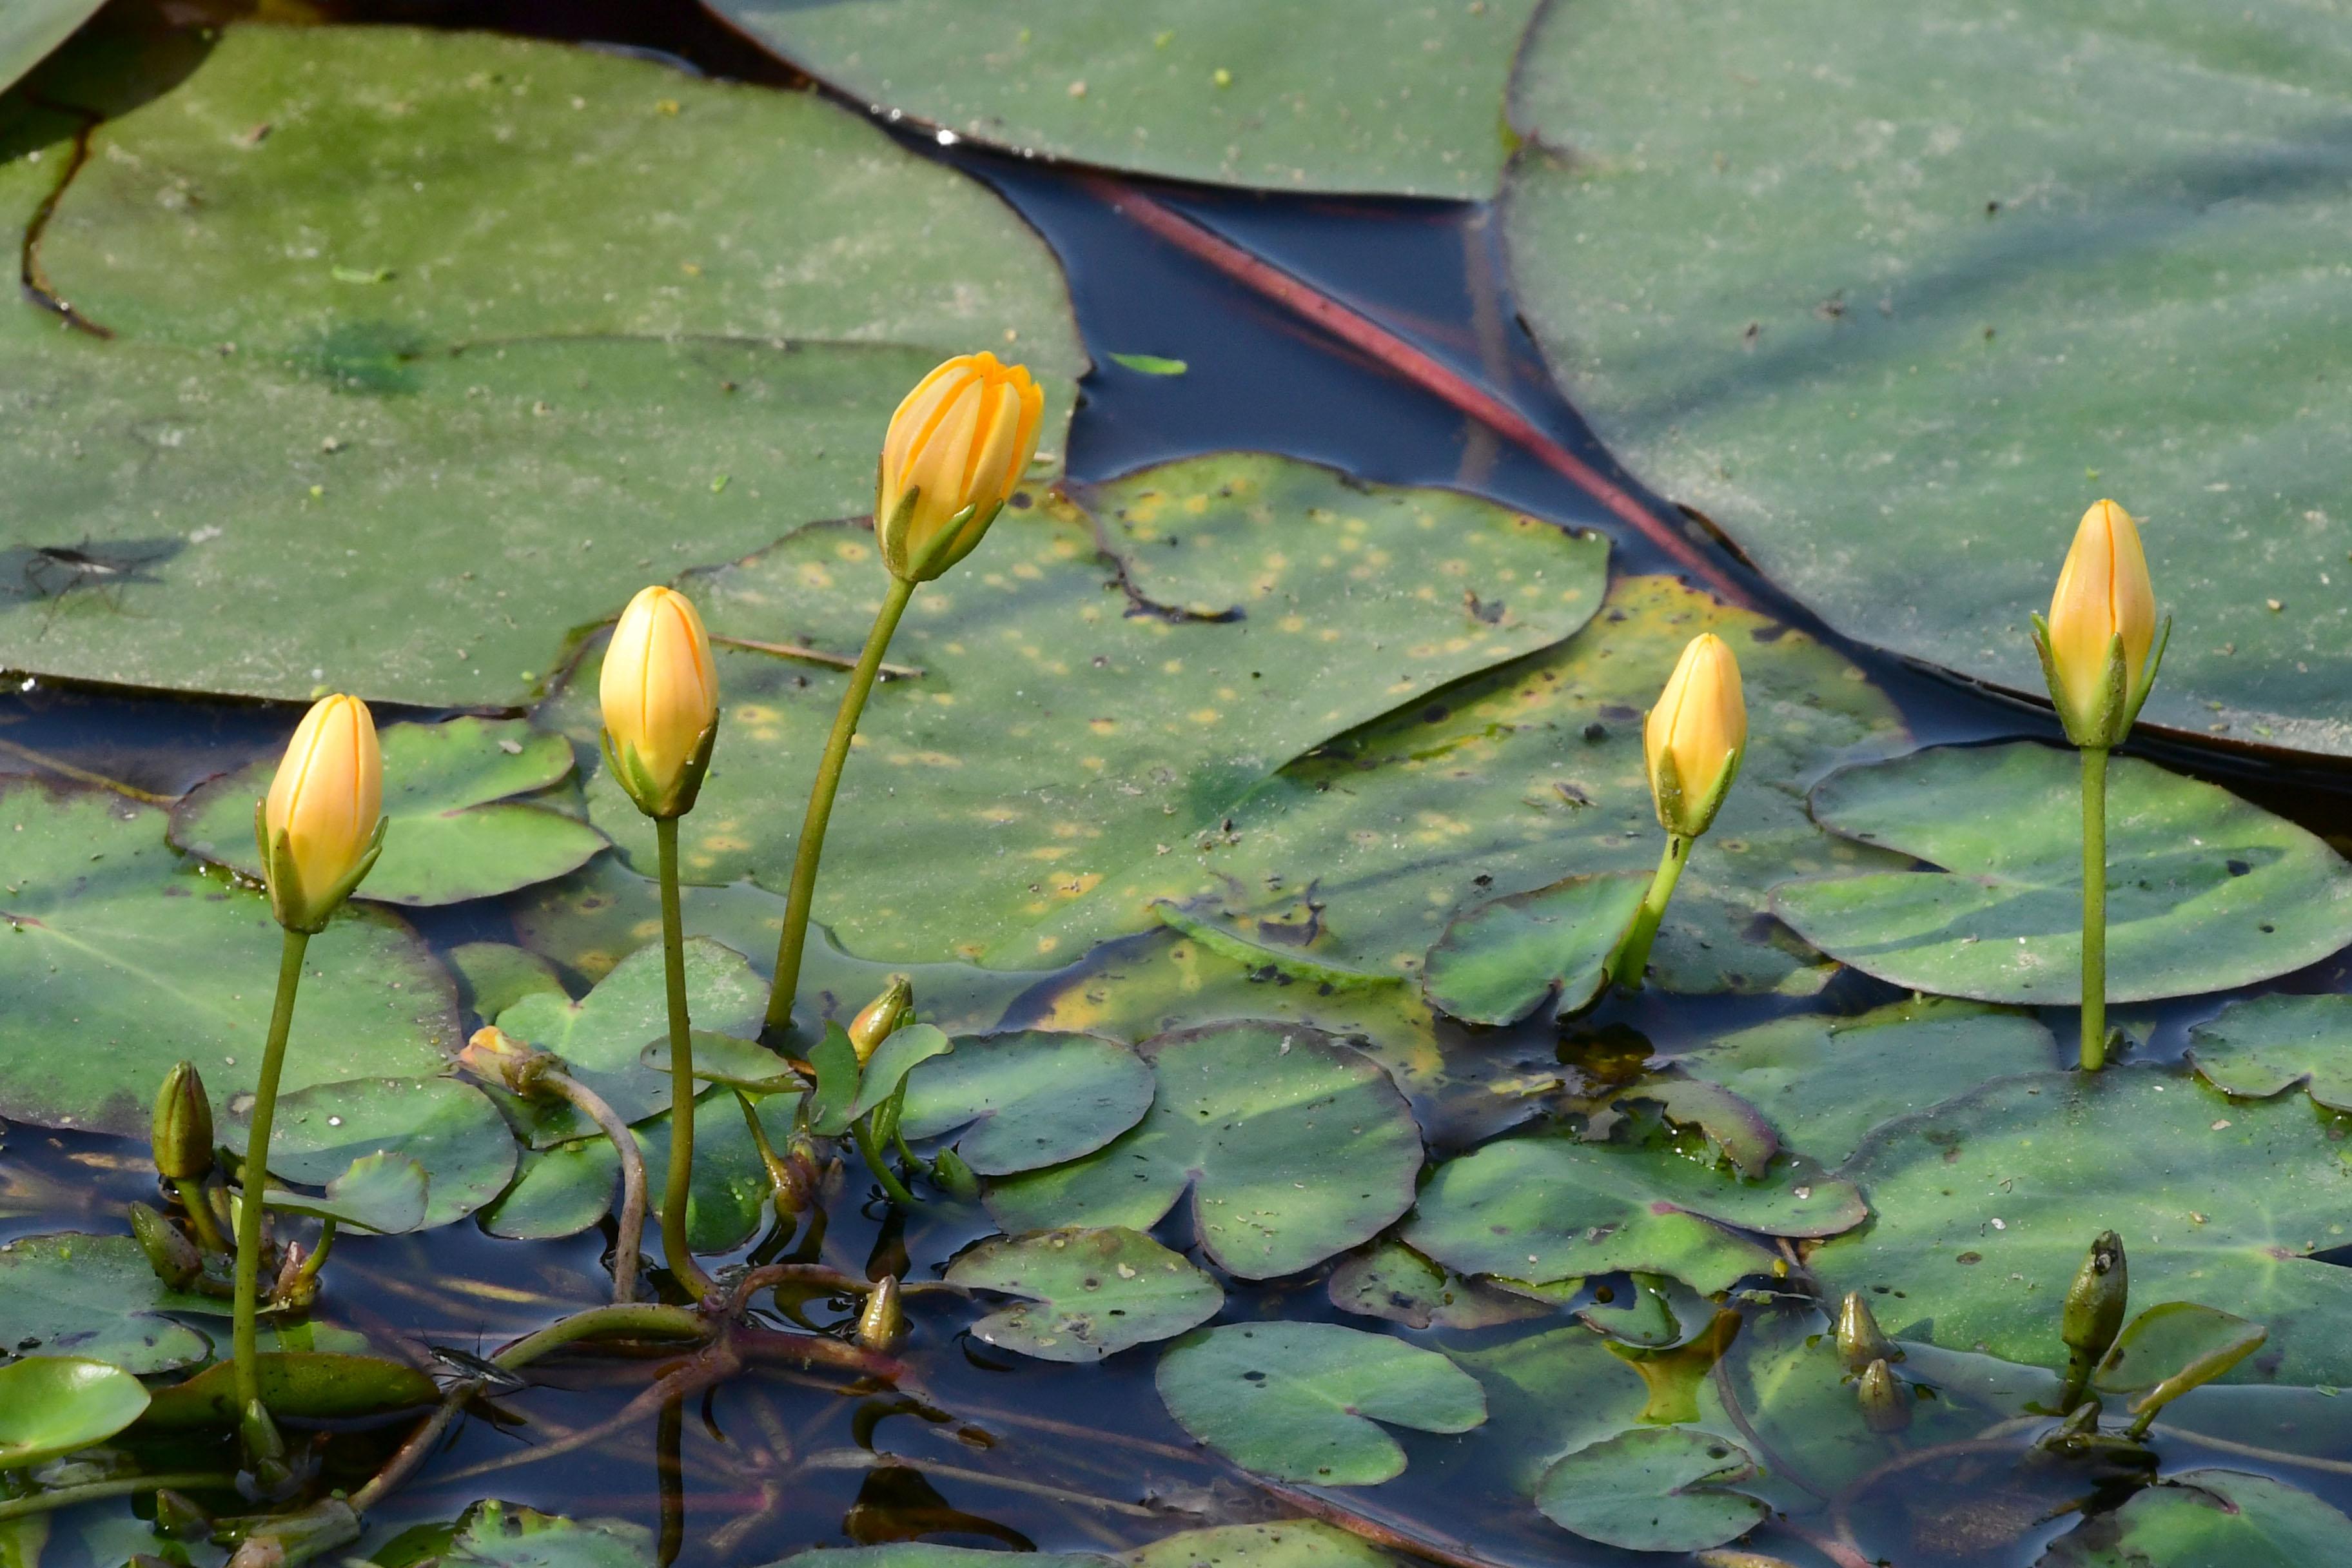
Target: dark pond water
(980, 1448)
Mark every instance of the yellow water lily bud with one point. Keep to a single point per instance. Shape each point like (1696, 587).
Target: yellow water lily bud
(322, 824)
(956, 447)
(660, 692)
(182, 1126)
(2104, 597)
(1695, 737)
(879, 1019)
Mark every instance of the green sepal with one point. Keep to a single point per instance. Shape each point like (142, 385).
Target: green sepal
(1676, 813)
(2147, 680)
(946, 547)
(289, 899)
(2118, 708)
(628, 771)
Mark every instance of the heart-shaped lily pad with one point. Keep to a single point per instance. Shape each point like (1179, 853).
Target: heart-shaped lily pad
(2204, 891)
(1985, 1206)
(454, 831)
(54, 1404)
(557, 1192)
(94, 1297)
(494, 1535)
(1298, 1401)
(1497, 963)
(1090, 1293)
(1550, 1207)
(1293, 1146)
(120, 961)
(384, 1192)
(449, 1128)
(1027, 1099)
(2208, 1519)
(1658, 1489)
(2265, 1046)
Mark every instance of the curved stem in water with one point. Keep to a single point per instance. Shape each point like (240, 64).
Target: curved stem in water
(257, 1174)
(630, 1239)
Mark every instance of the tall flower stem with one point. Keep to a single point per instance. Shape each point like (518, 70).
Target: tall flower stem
(1633, 954)
(679, 1186)
(2094, 908)
(257, 1174)
(794, 941)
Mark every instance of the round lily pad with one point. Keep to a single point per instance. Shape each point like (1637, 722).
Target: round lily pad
(120, 961)
(1090, 1293)
(1913, 291)
(557, 1192)
(1660, 1489)
(1294, 1147)
(1985, 1206)
(2201, 1518)
(54, 1404)
(2204, 891)
(454, 834)
(95, 1298)
(1027, 1099)
(1291, 1543)
(1499, 961)
(447, 1127)
(1298, 1401)
(2265, 1046)
(494, 1535)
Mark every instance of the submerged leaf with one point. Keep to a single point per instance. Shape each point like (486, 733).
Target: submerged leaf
(1497, 963)
(2265, 1046)
(325, 1385)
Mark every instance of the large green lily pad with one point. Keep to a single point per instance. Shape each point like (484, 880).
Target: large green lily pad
(1028, 1098)
(1530, 773)
(1326, 95)
(1549, 1207)
(448, 1127)
(637, 320)
(30, 30)
(1653, 1488)
(2209, 1519)
(1912, 292)
(2204, 891)
(495, 1534)
(1101, 681)
(95, 1297)
(1984, 1207)
(1294, 1147)
(1087, 1293)
(1298, 1401)
(54, 1404)
(119, 961)
(557, 1192)
(454, 833)
(2267, 1045)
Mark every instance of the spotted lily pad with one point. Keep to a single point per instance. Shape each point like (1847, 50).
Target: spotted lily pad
(655, 330)
(454, 833)
(1298, 1401)
(1659, 1488)
(1028, 1098)
(120, 961)
(2204, 891)
(2208, 1519)
(1497, 963)
(1294, 1147)
(1328, 95)
(2265, 1046)
(494, 1535)
(54, 1404)
(94, 1297)
(449, 1128)
(1984, 1207)
(1089, 1293)
(1101, 678)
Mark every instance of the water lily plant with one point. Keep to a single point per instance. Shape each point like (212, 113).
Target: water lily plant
(1691, 743)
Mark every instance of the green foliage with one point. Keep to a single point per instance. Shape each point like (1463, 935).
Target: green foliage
(94, 1297)
(1029, 1098)
(448, 1128)
(1089, 1293)
(325, 1385)
(1499, 961)
(1390, 1280)
(1660, 1489)
(2265, 1046)
(54, 1404)
(494, 1535)
(2209, 1519)
(30, 30)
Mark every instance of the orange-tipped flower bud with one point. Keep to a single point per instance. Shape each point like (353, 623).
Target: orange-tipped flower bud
(1695, 736)
(879, 1019)
(957, 448)
(2102, 596)
(322, 822)
(660, 692)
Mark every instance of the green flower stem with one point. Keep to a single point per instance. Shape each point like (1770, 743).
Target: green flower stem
(124, 1485)
(878, 1160)
(257, 1174)
(2094, 908)
(820, 806)
(638, 1319)
(679, 1186)
(309, 1267)
(200, 1215)
(1633, 954)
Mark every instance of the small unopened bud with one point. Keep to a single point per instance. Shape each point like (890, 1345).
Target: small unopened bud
(1886, 1403)
(263, 1446)
(882, 1017)
(183, 1128)
(2095, 1302)
(172, 1256)
(496, 1056)
(177, 1516)
(1859, 1340)
(955, 1177)
(882, 1324)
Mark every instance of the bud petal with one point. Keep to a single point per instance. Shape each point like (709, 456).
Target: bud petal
(660, 695)
(1693, 738)
(2103, 594)
(958, 443)
(1886, 1403)
(183, 1128)
(320, 819)
(882, 1017)
(2095, 1302)
(496, 1056)
(882, 1324)
(1859, 1340)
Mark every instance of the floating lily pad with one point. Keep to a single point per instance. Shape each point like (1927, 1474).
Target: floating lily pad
(1291, 1544)
(1913, 291)
(1091, 1293)
(2171, 1348)
(1497, 963)
(1549, 1207)
(1027, 1099)
(94, 1297)
(1101, 678)
(449, 1128)
(383, 1192)
(922, 1554)
(119, 961)
(557, 1192)
(1660, 1489)
(455, 832)
(30, 29)
(729, 1059)
(1297, 1401)
(324, 1385)
(906, 1049)
(2209, 1519)
(2204, 891)
(1826, 1081)
(1394, 1282)
(602, 1036)
(2218, 1201)
(54, 1404)
(1294, 1147)
(2265, 1046)
(494, 1535)
(653, 331)
(1528, 773)
(1328, 95)
(495, 975)
(1733, 1127)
